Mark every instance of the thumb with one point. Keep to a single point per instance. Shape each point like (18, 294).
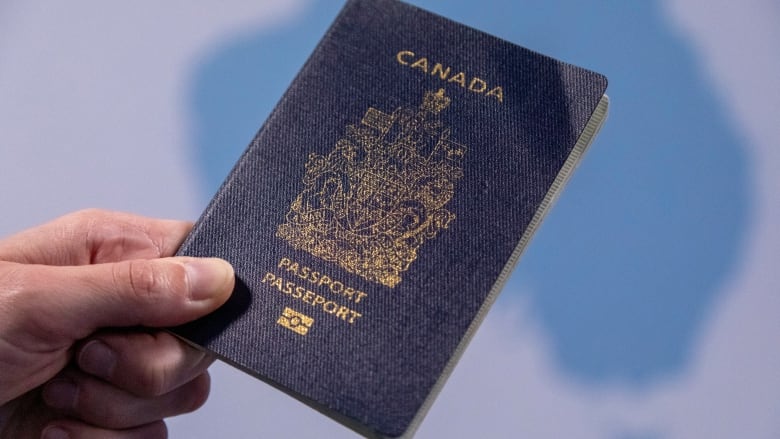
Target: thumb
(74, 301)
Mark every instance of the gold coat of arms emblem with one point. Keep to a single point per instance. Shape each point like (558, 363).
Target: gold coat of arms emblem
(380, 194)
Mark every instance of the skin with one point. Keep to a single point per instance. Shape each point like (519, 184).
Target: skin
(79, 297)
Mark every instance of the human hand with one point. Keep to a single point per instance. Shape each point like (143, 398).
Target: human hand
(73, 293)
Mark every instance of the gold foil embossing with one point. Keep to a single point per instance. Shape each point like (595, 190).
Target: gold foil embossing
(380, 193)
(295, 321)
(446, 73)
(295, 290)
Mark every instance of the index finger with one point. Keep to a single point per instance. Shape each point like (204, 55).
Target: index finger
(95, 236)
(144, 363)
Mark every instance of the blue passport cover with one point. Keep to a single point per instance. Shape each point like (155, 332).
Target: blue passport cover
(376, 214)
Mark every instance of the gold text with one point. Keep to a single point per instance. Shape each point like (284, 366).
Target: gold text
(446, 73)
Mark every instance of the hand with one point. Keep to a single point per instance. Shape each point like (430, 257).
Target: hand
(65, 289)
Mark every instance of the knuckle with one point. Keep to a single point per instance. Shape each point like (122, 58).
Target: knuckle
(139, 369)
(12, 280)
(177, 281)
(39, 308)
(151, 385)
(20, 297)
(156, 430)
(154, 382)
(85, 218)
(13, 288)
(167, 370)
(198, 392)
(144, 280)
(152, 282)
(92, 405)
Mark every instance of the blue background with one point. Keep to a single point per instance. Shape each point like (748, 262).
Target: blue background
(626, 266)
(645, 307)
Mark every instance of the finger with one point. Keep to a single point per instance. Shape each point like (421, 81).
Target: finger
(27, 417)
(69, 429)
(145, 364)
(97, 402)
(69, 303)
(95, 236)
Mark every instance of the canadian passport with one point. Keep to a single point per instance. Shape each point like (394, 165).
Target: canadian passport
(378, 211)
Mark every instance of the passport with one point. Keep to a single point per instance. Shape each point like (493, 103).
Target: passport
(375, 216)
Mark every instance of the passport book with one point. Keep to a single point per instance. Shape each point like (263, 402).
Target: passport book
(379, 210)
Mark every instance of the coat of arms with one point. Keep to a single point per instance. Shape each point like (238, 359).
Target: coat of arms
(380, 193)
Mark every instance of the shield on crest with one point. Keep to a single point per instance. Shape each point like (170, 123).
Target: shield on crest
(372, 202)
(381, 192)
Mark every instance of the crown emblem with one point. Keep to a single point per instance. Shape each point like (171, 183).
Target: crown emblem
(435, 102)
(372, 202)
